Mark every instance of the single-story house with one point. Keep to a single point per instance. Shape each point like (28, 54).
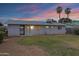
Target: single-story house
(28, 28)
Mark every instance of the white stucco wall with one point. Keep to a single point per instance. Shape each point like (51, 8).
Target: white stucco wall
(48, 31)
(27, 33)
(55, 31)
(13, 30)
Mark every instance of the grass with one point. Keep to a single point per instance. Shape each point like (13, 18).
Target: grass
(55, 45)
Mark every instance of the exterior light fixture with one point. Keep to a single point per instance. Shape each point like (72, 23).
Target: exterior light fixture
(47, 26)
(32, 27)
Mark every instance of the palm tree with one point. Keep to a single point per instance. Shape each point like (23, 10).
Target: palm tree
(65, 20)
(67, 11)
(59, 10)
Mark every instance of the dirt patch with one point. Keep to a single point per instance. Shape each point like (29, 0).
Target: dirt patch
(10, 47)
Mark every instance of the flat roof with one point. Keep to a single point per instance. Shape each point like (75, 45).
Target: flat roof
(19, 22)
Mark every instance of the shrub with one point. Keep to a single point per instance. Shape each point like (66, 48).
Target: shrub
(1, 37)
(2, 34)
(76, 31)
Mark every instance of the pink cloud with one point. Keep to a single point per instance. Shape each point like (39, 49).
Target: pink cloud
(22, 18)
(50, 13)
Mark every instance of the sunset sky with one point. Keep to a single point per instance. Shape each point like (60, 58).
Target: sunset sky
(36, 11)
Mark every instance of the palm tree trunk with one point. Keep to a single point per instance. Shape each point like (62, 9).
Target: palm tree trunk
(59, 15)
(67, 15)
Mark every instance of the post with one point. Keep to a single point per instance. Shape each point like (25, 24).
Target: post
(29, 29)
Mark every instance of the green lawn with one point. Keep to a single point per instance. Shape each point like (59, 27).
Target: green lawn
(55, 45)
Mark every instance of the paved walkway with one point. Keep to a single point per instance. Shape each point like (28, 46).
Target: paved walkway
(11, 47)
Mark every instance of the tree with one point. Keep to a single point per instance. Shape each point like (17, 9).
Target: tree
(65, 20)
(67, 11)
(2, 32)
(1, 24)
(51, 21)
(59, 10)
(48, 21)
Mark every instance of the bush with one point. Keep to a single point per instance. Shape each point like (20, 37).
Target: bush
(76, 31)
(2, 35)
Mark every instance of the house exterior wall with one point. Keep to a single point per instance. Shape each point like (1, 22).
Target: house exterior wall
(13, 30)
(54, 31)
(48, 31)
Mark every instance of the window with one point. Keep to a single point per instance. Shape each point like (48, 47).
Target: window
(52, 27)
(47, 26)
(37, 27)
(59, 27)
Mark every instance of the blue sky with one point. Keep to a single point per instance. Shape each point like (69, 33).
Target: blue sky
(37, 11)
